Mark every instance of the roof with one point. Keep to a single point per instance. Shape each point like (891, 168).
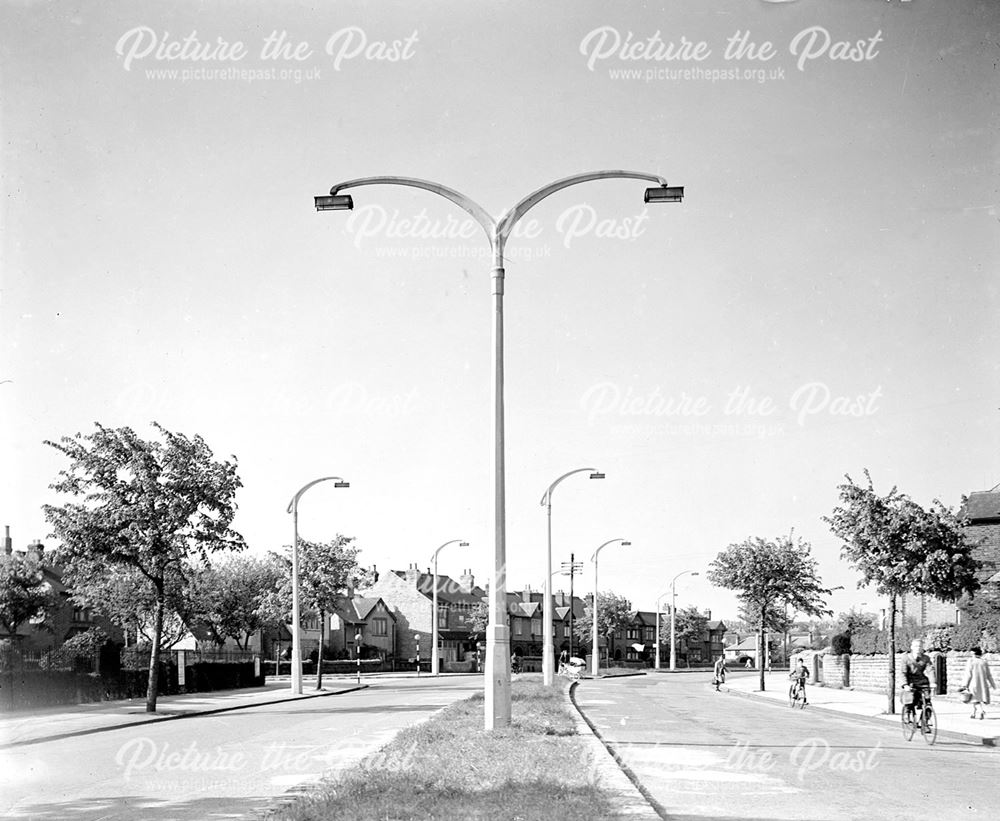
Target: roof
(716, 624)
(982, 505)
(449, 590)
(358, 608)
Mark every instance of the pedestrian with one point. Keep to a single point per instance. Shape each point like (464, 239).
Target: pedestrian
(720, 671)
(978, 680)
(749, 664)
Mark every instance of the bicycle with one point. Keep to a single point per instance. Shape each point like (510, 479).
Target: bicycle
(796, 696)
(570, 671)
(926, 721)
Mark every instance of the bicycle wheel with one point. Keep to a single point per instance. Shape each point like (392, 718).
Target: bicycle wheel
(928, 724)
(792, 691)
(801, 697)
(909, 723)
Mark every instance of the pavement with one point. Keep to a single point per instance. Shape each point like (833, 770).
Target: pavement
(67, 721)
(954, 717)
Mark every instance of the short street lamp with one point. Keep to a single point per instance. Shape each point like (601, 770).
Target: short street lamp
(293, 508)
(595, 661)
(497, 681)
(548, 653)
(673, 616)
(434, 615)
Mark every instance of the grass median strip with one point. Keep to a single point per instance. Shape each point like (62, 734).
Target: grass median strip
(449, 767)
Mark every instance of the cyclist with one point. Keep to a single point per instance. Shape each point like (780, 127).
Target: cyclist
(915, 674)
(800, 675)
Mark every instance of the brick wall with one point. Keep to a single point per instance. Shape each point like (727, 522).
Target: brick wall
(834, 672)
(871, 672)
(956, 668)
(988, 548)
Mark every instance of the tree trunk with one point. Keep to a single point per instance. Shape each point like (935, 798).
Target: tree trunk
(892, 654)
(154, 654)
(760, 647)
(319, 652)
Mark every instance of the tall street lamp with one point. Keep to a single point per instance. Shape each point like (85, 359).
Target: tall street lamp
(595, 661)
(548, 652)
(673, 616)
(661, 597)
(497, 679)
(293, 508)
(434, 617)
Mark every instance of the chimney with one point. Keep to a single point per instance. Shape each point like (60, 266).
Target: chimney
(467, 581)
(412, 574)
(708, 615)
(36, 550)
(526, 594)
(8, 545)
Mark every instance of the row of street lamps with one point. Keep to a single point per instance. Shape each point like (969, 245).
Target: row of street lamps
(497, 683)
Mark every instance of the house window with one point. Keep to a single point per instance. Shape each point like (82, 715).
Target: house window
(632, 633)
(536, 626)
(380, 627)
(519, 627)
(650, 634)
(442, 617)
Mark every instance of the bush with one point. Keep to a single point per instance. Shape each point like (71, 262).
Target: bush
(867, 642)
(939, 638)
(841, 644)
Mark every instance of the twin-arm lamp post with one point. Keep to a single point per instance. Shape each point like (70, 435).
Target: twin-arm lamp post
(293, 508)
(497, 679)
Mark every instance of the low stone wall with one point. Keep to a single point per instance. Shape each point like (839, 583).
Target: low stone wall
(870, 673)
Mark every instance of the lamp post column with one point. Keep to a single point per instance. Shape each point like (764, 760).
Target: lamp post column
(595, 664)
(296, 640)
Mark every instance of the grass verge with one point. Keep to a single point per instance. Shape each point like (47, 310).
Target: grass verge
(449, 768)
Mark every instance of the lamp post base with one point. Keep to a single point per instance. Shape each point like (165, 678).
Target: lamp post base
(497, 678)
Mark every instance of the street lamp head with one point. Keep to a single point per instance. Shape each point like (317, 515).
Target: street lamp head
(596, 475)
(696, 573)
(626, 544)
(341, 484)
(664, 193)
(463, 544)
(334, 202)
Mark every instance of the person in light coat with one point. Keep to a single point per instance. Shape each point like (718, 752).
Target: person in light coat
(978, 680)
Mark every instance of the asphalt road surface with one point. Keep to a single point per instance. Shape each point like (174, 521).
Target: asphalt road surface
(229, 765)
(701, 754)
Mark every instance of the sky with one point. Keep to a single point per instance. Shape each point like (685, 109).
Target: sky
(822, 302)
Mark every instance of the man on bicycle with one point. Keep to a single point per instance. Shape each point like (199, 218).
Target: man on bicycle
(915, 674)
(800, 675)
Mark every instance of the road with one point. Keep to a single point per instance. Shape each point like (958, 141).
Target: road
(707, 755)
(229, 765)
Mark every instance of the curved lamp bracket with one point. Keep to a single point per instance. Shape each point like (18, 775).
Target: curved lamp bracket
(472, 208)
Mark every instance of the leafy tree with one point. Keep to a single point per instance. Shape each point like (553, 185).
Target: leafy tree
(24, 593)
(767, 576)
(326, 571)
(147, 506)
(479, 619)
(689, 626)
(85, 645)
(240, 596)
(901, 548)
(614, 614)
(124, 596)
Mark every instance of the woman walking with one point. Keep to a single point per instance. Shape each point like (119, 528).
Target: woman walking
(978, 680)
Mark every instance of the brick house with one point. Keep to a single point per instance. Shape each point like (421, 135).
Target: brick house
(373, 619)
(65, 621)
(525, 615)
(408, 595)
(982, 509)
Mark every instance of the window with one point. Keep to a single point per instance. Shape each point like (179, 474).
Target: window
(650, 634)
(632, 633)
(536, 626)
(442, 617)
(380, 627)
(519, 627)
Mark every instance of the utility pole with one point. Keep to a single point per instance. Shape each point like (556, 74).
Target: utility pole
(571, 568)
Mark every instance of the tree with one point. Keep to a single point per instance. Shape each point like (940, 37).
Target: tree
(689, 626)
(614, 614)
(901, 548)
(479, 619)
(124, 596)
(24, 593)
(327, 570)
(143, 505)
(240, 596)
(767, 576)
